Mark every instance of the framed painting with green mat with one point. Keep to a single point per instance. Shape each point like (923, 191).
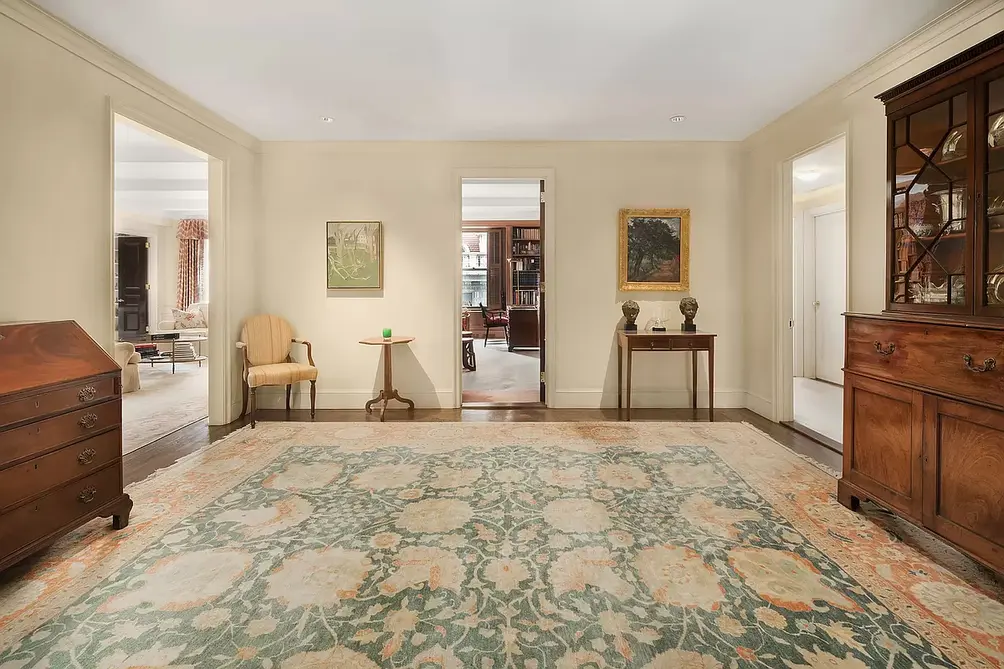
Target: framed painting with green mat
(355, 255)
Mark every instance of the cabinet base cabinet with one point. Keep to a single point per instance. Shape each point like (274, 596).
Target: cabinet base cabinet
(923, 449)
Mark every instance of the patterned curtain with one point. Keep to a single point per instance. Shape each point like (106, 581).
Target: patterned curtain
(192, 236)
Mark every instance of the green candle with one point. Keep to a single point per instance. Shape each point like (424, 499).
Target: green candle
(386, 333)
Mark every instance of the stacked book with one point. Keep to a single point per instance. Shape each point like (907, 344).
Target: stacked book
(184, 351)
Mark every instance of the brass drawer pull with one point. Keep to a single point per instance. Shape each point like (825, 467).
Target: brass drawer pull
(86, 456)
(887, 351)
(88, 420)
(87, 393)
(87, 495)
(988, 365)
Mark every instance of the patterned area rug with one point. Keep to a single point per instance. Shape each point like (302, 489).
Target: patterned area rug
(164, 403)
(527, 545)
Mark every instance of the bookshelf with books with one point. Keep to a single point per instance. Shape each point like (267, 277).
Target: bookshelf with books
(524, 267)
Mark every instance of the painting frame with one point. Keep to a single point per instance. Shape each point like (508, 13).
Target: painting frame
(625, 282)
(375, 230)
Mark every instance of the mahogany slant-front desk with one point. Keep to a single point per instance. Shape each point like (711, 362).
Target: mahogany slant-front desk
(646, 340)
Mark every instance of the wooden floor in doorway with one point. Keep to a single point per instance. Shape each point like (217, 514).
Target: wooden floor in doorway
(166, 451)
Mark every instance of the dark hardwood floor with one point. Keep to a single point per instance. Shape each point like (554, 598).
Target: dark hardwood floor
(166, 451)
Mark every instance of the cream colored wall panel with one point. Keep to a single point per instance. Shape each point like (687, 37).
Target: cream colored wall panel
(411, 188)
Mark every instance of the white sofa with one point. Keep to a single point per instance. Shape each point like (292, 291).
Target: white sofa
(168, 325)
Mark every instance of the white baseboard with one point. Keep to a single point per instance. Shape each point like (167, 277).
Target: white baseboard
(760, 405)
(646, 399)
(275, 398)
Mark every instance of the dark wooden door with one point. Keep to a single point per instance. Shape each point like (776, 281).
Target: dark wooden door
(963, 470)
(132, 300)
(884, 442)
(541, 298)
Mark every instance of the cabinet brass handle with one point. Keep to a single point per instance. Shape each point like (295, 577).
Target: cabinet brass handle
(988, 365)
(87, 495)
(87, 393)
(88, 420)
(887, 351)
(86, 456)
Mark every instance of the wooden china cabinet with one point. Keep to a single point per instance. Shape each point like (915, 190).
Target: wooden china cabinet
(924, 380)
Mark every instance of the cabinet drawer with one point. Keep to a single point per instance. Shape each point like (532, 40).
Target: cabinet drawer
(45, 515)
(49, 471)
(664, 343)
(946, 359)
(83, 393)
(29, 440)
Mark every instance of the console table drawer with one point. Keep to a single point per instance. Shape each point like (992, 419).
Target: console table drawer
(45, 515)
(49, 471)
(960, 361)
(55, 401)
(34, 438)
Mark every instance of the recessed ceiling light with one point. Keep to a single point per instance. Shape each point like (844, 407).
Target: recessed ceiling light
(327, 119)
(808, 175)
(677, 119)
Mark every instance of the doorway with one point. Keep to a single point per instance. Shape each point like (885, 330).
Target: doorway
(161, 282)
(502, 354)
(819, 291)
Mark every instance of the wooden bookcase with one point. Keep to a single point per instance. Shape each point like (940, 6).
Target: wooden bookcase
(524, 266)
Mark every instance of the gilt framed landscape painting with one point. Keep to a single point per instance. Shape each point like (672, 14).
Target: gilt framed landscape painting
(355, 255)
(655, 249)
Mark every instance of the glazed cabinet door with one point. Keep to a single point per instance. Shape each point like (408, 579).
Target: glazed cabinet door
(964, 476)
(883, 442)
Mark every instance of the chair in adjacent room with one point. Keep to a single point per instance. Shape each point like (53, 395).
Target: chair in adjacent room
(128, 359)
(494, 319)
(267, 341)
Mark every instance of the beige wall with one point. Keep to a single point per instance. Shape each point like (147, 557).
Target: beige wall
(55, 180)
(848, 107)
(413, 188)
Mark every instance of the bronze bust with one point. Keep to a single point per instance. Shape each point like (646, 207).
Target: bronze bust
(688, 307)
(630, 309)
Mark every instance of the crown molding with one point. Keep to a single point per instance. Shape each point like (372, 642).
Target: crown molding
(47, 26)
(951, 24)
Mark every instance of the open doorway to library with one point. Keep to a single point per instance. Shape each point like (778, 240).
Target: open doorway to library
(502, 316)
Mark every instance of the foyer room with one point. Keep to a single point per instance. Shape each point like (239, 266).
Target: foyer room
(544, 335)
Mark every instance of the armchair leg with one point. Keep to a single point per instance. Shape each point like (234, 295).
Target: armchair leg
(488, 331)
(253, 406)
(244, 399)
(313, 397)
(289, 390)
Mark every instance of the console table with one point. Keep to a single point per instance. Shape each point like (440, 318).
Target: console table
(389, 392)
(646, 340)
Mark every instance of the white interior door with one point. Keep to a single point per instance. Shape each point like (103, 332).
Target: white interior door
(830, 233)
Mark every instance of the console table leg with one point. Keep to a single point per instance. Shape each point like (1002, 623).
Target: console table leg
(693, 383)
(620, 374)
(711, 381)
(629, 358)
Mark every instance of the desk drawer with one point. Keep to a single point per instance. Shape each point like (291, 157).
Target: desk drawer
(49, 471)
(670, 343)
(941, 358)
(78, 395)
(32, 521)
(45, 435)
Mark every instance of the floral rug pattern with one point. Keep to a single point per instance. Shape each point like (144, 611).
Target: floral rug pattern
(518, 545)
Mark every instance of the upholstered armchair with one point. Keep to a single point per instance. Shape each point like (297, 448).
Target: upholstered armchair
(128, 359)
(266, 342)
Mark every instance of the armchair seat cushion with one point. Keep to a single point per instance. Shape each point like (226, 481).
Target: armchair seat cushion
(280, 374)
(497, 321)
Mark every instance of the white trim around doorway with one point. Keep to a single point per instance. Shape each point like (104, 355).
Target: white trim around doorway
(224, 399)
(783, 405)
(550, 331)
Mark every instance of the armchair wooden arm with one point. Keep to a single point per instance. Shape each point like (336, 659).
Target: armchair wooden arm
(244, 349)
(310, 350)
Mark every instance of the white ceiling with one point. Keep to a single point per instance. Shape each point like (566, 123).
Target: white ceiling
(157, 179)
(521, 69)
(820, 169)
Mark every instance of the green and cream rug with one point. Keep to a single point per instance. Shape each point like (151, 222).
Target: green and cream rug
(525, 545)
